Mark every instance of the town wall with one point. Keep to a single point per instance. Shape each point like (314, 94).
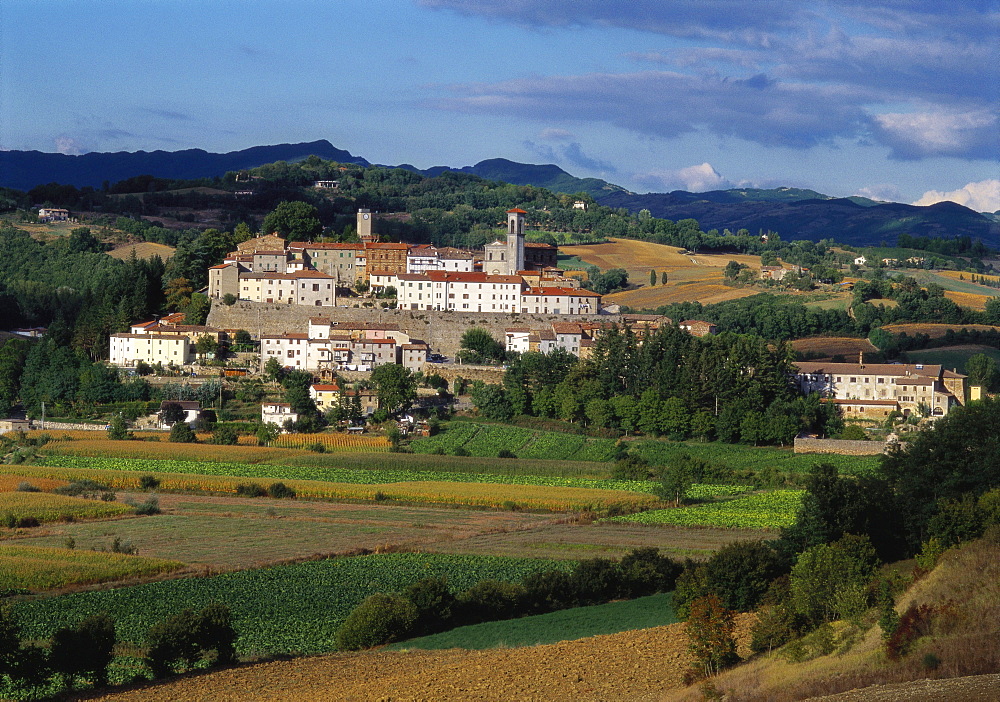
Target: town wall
(441, 330)
(841, 446)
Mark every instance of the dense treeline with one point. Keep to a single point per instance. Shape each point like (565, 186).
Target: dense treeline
(729, 387)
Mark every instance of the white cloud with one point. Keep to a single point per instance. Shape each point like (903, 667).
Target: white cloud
(695, 179)
(69, 146)
(885, 192)
(983, 196)
(939, 133)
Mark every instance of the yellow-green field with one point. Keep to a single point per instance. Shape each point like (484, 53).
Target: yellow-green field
(52, 508)
(43, 568)
(144, 249)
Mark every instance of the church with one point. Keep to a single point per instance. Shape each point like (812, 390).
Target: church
(512, 256)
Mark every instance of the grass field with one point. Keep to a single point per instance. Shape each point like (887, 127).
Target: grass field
(296, 529)
(24, 566)
(952, 356)
(284, 609)
(565, 625)
(762, 458)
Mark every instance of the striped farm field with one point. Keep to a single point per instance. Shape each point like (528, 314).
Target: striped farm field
(481, 439)
(52, 508)
(767, 510)
(495, 494)
(167, 450)
(11, 482)
(44, 568)
(973, 301)
(334, 442)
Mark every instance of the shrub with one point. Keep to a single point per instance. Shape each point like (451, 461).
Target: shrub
(596, 580)
(225, 436)
(151, 505)
(644, 571)
(434, 602)
(692, 583)
(280, 491)
(549, 591)
(186, 637)
(378, 620)
(461, 451)
(181, 433)
(775, 626)
(505, 453)
(491, 600)
(149, 482)
(250, 490)
(25, 486)
(915, 622)
(86, 488)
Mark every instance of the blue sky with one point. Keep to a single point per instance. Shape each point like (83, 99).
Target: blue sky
(894, 99)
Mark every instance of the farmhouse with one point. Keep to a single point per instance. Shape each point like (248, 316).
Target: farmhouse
(52, 214)
(913, 387)
(277, 413)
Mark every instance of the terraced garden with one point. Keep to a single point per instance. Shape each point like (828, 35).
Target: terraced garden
(489, 439)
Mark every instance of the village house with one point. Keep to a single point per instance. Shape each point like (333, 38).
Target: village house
(52, 214)
(696, 327)
(324, 395)
(566, 301)
(192, 410)
(912, 386)
(277, 413)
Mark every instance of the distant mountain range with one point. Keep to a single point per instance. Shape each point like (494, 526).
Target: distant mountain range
(794, 213)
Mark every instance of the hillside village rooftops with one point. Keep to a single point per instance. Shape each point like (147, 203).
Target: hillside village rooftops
(555, 292)
(387, 246)
(298, 275)
(538, 245)
(890, 369)
(463, 277)
(566, 328)
(518, 210)
(321, 245)
(415, 346)
(161, 337)
(325, 388)
(286, 335)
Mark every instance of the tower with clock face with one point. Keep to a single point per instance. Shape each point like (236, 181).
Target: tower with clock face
(365, 232)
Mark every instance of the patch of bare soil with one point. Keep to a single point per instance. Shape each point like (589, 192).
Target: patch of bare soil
(975, 688)
(634, 665)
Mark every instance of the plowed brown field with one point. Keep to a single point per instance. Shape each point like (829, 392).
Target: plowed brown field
(635, 665)
(829, 346)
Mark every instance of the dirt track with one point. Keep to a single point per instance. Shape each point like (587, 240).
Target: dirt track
(637, 665)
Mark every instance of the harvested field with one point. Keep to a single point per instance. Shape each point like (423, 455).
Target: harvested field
(577, 541)
(635, 665)
(295, 529)
(145, 249)
(829, 346)
(936, 330)
(971, 300)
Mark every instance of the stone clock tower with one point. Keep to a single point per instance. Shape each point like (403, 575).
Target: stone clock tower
(365, 233)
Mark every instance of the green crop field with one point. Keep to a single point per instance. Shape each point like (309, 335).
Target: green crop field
(564, 625)
(767, 510)
(755, 458)
(284, 609)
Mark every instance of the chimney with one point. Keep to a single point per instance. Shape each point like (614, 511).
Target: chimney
(861, 359)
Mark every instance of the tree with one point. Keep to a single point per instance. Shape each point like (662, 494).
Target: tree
(294, 220)
(118, 428)
(676, 482)
(652, 277)
(741, 572)
(491, 401)
(181, 433)
(984, 371)
(663, 278)
(206, 345)
(831, 580)
(959, 454)
(84, 650)
(395, 387)
(479, 346)
(171, 413)
(178, 292)
(710, 630)
(273, 370)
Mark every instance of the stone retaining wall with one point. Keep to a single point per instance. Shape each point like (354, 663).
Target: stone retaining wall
(442, 330)
(841, 446)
